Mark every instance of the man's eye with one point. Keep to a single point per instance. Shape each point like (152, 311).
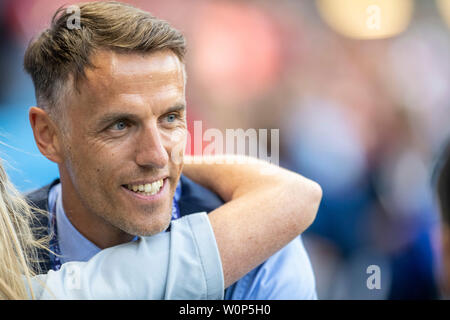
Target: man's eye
(119, 125)
(171, 117)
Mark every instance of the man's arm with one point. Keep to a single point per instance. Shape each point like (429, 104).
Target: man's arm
(286, 275)
(266, 208)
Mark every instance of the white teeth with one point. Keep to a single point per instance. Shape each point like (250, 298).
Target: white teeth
(147, 189)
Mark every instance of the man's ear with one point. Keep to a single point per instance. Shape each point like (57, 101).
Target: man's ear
(45, 134)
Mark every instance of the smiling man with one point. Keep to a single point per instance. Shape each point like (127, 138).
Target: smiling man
(111, 99)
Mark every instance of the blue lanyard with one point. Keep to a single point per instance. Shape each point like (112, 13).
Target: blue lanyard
(55, 260)
(176, 198)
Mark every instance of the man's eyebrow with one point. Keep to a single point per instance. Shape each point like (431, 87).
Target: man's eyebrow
(114, 116)
(177, 107)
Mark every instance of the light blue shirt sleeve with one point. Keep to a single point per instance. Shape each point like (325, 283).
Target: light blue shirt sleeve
(181, 264)
(287, 275)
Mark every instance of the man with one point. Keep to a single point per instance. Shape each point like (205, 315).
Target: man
(111, 99)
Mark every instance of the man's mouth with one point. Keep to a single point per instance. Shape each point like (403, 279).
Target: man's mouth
(148, 189)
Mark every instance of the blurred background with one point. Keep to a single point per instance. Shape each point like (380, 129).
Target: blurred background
(360, 90)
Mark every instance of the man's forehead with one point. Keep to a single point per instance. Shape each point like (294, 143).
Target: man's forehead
(134, 71)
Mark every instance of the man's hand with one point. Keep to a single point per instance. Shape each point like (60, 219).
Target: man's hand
(266, 208)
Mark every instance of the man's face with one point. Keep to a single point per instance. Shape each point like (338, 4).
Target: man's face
(118, 165)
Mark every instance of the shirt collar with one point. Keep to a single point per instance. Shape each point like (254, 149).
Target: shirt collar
(73, 245)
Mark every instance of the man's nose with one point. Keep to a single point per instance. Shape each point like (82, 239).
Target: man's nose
(150, 150)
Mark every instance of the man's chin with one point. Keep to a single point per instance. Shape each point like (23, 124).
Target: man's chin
(145, 220)
(156, 226)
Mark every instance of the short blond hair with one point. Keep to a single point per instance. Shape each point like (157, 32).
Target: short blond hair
(61, 52)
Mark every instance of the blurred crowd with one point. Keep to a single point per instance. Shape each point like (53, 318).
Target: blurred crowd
(364, 118)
